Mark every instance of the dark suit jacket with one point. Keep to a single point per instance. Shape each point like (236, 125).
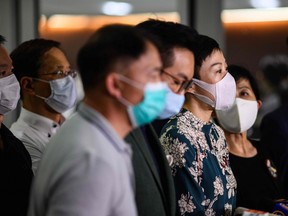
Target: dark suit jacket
(274, 138)
(155, 193)
(16, 175)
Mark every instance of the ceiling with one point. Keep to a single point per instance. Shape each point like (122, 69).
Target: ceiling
(93, 7)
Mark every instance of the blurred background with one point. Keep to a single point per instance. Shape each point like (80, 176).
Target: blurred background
(247, 30)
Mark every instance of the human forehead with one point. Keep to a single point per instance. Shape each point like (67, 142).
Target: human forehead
(216, 58)
(149, 58)
(183, 63)
(55, 59)
(243, 83)
(147, 63)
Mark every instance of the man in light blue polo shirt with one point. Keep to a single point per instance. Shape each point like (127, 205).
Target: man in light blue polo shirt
(86, 168)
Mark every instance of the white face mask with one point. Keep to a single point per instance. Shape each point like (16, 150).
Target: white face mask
(174, 103)
(63, 94)
(9, 93)
(223, 91)
(240, 117)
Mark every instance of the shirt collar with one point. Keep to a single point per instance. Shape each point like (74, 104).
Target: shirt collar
(39, 122)
(102, 124)
(195, 122)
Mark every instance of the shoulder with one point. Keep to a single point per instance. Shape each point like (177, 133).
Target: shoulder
(14, 149)
(278, 115)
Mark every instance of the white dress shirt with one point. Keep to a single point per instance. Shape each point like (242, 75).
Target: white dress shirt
(35, 132)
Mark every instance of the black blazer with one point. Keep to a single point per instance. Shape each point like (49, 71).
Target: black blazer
(274, 138)
(155, 193)
(16, 174)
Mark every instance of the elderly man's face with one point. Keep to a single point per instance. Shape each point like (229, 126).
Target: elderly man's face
(54, 60)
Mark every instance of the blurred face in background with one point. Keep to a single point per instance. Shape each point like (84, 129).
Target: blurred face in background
(5, 63)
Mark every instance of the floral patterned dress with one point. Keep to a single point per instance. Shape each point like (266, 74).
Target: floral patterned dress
(198, 156)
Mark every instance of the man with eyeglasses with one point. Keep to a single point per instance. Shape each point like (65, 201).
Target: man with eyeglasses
(47, 90)
(155, 193)
(15, 162)
(176, 44)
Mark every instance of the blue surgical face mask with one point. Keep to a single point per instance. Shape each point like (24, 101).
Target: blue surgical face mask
(150, 107)
(63, 94)
(174, 103)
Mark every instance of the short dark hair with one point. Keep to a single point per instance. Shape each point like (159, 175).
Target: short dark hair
(28, 57)
(109, 47)
(239, 72)
(2, 39)
(169, 35)
(205, 47)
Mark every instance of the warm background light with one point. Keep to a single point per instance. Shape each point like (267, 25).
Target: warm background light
(254, 15)
(73, 30)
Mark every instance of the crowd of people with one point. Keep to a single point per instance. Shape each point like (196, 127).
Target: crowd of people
(162, 129)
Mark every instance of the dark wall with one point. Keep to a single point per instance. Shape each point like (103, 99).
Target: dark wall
(247, 43)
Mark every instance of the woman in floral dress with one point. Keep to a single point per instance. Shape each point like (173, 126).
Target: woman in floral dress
(195, 146)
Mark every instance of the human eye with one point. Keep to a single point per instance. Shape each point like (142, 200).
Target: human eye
(60, 74)
(244, 93)
(218, 70)
(177, 82)
(4, 71)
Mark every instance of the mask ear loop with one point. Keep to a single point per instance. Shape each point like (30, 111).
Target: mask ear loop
(45, 81)
(203, 98)
(131, 82)
(126, 103)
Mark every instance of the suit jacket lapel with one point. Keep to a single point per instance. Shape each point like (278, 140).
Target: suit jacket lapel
(143, 147)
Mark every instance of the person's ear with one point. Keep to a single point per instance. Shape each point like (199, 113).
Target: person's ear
(259, 102)
(113, 85)
(191, 88)
(26, 84)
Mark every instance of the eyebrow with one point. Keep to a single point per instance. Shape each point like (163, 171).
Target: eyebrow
(62, 66)
(244, 87)
(217, 63)
(180, 74)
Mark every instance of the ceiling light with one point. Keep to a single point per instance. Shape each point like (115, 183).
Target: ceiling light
(265, 3)
(116, 8)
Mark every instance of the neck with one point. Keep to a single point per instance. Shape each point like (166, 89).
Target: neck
(239, 145)
(114, 112)
(198, 108)
(38, 106)
(1, 119)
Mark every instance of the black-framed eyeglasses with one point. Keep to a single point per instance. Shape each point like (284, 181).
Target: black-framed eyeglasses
(61, 74)
(181, 84)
